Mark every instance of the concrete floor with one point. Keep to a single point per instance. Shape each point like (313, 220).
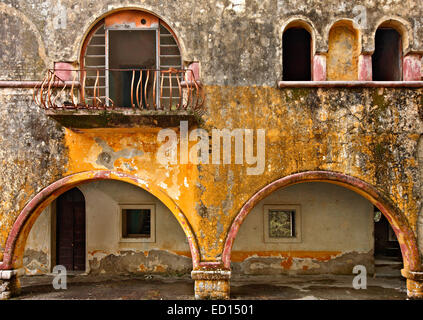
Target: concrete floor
(88, 287)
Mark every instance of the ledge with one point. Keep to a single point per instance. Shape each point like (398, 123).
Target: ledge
(120, 118)
(350, 84)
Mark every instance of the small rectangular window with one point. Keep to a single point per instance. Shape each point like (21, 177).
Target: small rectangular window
(282, 223)
(137, 223)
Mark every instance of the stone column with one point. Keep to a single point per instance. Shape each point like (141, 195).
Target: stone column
(9, 284)
(211, 284)
(414, 284)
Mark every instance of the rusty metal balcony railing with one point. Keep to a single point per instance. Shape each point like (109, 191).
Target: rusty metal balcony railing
(139, 89)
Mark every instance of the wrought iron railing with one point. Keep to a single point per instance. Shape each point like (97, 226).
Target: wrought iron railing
(140, 89)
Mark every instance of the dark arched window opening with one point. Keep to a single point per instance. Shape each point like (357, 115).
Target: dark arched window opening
(387, 58)
(296, 55)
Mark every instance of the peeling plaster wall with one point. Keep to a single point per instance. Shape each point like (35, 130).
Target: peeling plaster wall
(32, 154)
(106, 253)
(367, 133)
(336, 233)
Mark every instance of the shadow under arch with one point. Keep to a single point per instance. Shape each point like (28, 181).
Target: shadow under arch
(397, 220)
(15, 243)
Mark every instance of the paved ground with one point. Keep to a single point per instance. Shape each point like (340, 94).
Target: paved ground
(242, 287)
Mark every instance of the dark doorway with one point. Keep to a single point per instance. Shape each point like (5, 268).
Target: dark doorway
(387, 58)
(296, 55)
(70, 230)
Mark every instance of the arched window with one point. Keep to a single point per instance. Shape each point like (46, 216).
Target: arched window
(121, 54)
(296, 54)
(387, 58)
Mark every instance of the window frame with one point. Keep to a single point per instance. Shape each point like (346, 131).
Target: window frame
(297, 223)
(152, 208)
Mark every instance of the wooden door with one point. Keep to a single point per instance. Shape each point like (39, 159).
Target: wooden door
(70, 230)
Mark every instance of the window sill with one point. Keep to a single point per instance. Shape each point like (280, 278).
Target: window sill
(350, 84)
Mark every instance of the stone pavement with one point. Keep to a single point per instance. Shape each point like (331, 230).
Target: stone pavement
(115, 287)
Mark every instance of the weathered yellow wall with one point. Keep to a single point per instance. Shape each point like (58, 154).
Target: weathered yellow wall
(370, 134)
(359, 134)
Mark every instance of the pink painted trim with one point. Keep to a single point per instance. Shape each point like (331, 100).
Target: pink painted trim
(65, 184)
(412, 64)
(319, 67)
(407, 240)
(350, 84)
(365, 68)
(64, 70)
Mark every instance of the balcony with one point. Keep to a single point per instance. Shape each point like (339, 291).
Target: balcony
(102, 98)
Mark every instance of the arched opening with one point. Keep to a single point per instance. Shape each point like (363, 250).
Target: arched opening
(343, 52)
(308, 228)
(122, 56)
(16, 242)
(290, 200)
(125, 230)
(296, 44)
(387, 57)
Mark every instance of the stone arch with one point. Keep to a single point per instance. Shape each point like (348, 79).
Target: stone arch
(397, 220)
(15, 243)
(305, 23)
(400, 25)
(93, 23)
